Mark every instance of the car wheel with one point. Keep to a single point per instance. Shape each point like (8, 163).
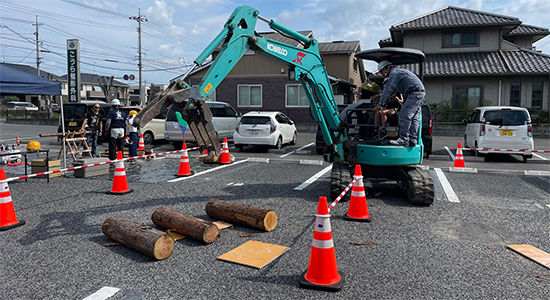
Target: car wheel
(279, 144)
(294, 138)
(465, 143)
(525, 157)
(148, 138)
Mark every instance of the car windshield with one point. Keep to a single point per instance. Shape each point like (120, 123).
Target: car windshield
(256, 120)
(74, 111)
(507, 117)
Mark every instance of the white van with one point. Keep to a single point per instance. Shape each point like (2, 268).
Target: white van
(224, 118)
(494, 128)
(21, 106)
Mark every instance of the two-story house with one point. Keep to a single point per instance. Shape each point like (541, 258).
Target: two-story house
(258, 82)
(91, 89)
(474, 58)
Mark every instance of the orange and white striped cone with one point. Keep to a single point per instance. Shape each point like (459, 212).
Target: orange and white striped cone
(141, 143)
(322, 272)
(225, 158)
(184, 169)
(120, 184)
(17, 141)
(459, 159)
(358, 209)
(8, 219)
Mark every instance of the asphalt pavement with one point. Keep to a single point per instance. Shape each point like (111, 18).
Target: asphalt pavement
(449, 250)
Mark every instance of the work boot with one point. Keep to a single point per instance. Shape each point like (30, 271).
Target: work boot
(399, 142)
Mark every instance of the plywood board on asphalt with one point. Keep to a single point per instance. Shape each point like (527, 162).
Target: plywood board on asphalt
(532, 253)
(254, 254)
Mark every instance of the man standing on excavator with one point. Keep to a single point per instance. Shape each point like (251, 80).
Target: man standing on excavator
(411, 87)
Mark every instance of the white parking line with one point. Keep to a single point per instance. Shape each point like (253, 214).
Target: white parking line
(540, 157)
(450, 152)
(103, 293)
(313, 178)
(449, 192)
(292, 152)
(207, 171)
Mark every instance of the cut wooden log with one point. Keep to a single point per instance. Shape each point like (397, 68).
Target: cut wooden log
(139, 236)
(260, 218)
(192, 227)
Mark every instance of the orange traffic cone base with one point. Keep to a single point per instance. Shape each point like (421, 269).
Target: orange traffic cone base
(19, 223)
(358, 219)
(335, 287)
(120, 193)
(183, 175)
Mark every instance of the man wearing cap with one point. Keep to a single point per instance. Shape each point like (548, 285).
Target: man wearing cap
(412, 89)
(116, 120)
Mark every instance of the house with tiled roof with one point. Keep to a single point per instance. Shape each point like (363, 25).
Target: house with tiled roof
(475, 58)
(258, 82)
(91, 88)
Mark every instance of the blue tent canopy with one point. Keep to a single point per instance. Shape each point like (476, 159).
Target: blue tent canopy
(16, 82)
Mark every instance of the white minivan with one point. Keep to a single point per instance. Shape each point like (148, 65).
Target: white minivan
(21, 106)
(224, 118)
(492, 129)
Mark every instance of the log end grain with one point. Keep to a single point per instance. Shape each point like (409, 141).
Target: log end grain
(270, 220)
(163, 247)
(210, 233)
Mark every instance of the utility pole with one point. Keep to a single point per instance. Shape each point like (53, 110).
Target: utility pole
(37, 46)
(140, 19)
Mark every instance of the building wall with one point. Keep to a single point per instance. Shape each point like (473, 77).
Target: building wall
(441, 89)
(431, 41)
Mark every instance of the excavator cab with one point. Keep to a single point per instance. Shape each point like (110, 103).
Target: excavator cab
(369, 147)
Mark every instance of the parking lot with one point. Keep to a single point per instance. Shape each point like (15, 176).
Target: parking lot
(453, 249)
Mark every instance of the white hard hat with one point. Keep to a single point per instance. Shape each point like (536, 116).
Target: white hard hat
(115, 102)
(382, 65)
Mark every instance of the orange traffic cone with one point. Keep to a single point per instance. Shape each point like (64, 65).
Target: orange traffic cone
(184, 169)
(7, 212)
(120, 184)
(18, 142)
(358, 209)
(322, 272)
(225, 158)
(141, 144)
(459, 159)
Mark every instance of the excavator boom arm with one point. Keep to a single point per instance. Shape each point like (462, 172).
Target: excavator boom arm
(237, 37)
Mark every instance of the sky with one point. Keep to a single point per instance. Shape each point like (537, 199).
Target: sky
(174, 32)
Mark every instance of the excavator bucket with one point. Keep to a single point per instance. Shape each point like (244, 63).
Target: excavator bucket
(193, 110)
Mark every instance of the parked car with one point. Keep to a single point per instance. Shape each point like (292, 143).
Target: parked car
(21, 106)
(271, 128)
(427, 125)
(224, 118)
(75, 112)
(499, 127)
(152, 131)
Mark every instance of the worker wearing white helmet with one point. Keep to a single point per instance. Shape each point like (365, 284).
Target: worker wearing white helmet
(116, 120)
(412, 89)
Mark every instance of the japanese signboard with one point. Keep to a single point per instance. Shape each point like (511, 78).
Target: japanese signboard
(73, 70)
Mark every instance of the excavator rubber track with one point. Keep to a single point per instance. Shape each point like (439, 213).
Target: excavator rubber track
(418, 186)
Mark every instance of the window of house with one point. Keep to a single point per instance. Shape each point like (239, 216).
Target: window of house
(458, 39)
(467, 96)
(296, 95)
(211, 97)
(355, 66)
(249, 95)
(515, 92)
(536, 96)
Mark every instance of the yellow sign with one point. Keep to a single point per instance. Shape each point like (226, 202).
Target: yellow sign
(208, 88)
